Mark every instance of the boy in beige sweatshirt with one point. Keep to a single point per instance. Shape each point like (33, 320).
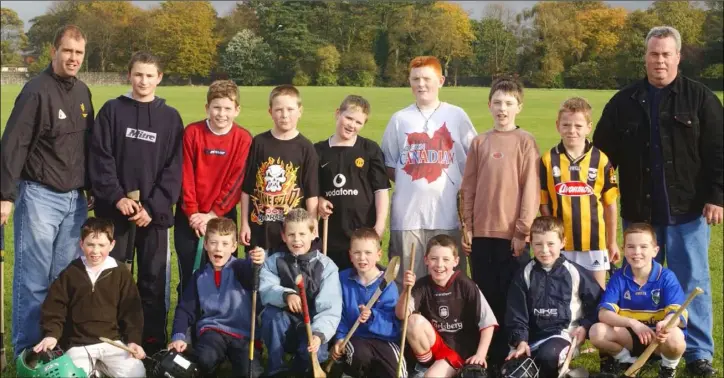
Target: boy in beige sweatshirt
(500, 201)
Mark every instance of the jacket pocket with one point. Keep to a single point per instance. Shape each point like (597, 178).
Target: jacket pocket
(685, 155)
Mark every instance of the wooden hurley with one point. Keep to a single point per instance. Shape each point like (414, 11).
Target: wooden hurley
(408, 292)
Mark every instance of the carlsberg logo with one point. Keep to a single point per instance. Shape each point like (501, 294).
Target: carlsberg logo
(140, 134)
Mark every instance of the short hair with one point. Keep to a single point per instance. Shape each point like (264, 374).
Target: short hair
(507, 85)
(640, 228)
(299, 215)
(72, 31)
(664, 32)
(97, 226)
(221, 226)
(442, 240)
(285, 90)
(426, 61)
(544, 224)
(357, 102)
(576, 105)
(145, 58)
(365, 233)
(223, 89)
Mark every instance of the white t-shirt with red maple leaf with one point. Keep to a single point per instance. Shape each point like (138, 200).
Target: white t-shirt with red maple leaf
(429, 165)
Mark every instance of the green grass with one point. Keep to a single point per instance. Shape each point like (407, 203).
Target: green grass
(538, 116)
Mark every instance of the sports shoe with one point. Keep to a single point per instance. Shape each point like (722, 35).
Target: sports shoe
(609, 367)
(667, 372)
(701, 368)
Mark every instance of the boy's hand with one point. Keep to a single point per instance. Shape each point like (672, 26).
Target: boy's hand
(198, 220)
(324, 208)
(179, 345)
(467, 248)
(380, 229)
(90, 199)
(138, 352)
(364, 314)
(142, 219)
(522, 349)
(477, 359)
(580, 334)
(257, 255)
(245, 234)
(614, 254)
(517, 246)
(337, 350)
(662, 333)
(295, 303)
(128, 206)
(643, 331)
(47, 343)
(314, 345)
(409, 279)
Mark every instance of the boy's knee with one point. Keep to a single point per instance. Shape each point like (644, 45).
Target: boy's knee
(207, 359)
(416, 325)
(599, 332)
(676, 342)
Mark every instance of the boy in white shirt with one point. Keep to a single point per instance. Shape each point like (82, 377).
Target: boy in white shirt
(425, 147)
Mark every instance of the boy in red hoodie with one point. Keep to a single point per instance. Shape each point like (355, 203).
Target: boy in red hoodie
(214, 158)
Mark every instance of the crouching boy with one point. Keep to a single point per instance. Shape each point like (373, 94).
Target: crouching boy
(218, 302)
(550, 301)
(373, 350)
(638, 302)
(282, 320)
(95, 296)
(451, 323)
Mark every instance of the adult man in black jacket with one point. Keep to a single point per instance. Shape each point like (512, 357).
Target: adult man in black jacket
(665, 135)
(43, 173)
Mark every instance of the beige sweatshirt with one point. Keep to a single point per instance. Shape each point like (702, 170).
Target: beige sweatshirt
(501, 184)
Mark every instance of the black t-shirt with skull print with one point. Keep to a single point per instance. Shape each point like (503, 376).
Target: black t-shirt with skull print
(349, 176)
(280, 176)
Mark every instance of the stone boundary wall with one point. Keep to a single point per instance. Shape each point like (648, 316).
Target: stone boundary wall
(90, 78)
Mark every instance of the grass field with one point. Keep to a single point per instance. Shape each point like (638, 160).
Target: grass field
(317, 123)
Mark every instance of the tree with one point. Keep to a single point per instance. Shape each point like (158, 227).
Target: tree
(13, 37)
(494, 47)
(103, 23)
(241, 18)
(631, 47)
(247, 58)
(43, 60)
(450, 34)
(328, 60)
(357, 69)
(44, 27)
(600, 30)
(184, 38)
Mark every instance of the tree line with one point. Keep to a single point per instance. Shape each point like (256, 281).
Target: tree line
(581, 44)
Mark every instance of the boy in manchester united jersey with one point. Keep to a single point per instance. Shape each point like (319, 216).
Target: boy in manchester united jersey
(450, 323)
(281, 173)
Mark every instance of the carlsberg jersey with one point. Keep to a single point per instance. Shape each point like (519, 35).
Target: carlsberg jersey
(428, 152)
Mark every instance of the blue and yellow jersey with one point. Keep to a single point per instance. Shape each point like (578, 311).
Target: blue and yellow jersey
(650, 303)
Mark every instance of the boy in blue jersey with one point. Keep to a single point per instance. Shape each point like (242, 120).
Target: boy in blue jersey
(282, 325)
(373, 350)
(218, 302)
(638, 302)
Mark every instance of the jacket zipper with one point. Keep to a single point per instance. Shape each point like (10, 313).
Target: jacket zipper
(93, 285)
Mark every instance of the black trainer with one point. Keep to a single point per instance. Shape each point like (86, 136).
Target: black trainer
(701, 368)
(667, 372)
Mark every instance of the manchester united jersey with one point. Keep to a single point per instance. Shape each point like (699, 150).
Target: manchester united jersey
(458, 311)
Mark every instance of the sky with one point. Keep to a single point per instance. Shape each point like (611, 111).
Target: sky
(30, 9)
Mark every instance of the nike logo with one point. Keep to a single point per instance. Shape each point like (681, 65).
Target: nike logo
(325, 164)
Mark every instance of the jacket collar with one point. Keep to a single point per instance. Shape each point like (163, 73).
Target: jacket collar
(559, 261)
(66, 82)
(642, 89)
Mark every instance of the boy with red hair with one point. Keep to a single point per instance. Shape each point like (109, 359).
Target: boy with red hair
(425, 147)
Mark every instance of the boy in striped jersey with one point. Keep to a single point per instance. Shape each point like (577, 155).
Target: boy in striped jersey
(578, 186)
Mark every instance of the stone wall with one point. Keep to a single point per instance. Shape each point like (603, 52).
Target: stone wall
(90, 78)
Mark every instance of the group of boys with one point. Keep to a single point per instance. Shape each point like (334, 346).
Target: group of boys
(512, 308)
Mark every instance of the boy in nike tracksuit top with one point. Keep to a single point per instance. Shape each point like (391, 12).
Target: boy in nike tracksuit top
(136, 145)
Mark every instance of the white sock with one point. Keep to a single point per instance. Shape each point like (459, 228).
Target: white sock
(624, 356)
(672, 364)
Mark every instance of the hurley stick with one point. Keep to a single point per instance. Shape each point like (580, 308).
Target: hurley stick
(3, 361)
(325, 229)
(131, 247)
(390, 273)
(408, 292)
(316, 368)
(569, 357)
(255, 280)
(121, 346)
(631, 372)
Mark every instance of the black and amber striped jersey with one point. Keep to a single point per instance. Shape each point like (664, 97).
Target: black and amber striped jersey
(576, 191)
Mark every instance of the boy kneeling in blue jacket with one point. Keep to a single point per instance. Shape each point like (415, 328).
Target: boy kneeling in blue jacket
(373, 351)
(218, 302)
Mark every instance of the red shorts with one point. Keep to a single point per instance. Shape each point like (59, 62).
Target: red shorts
(440, 351)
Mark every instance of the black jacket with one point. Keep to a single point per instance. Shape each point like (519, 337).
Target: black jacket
(137, 146)
(690, 123)
(542, 304)
(45, 139)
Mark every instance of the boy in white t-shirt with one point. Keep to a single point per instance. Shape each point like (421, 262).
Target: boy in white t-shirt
(425, 147)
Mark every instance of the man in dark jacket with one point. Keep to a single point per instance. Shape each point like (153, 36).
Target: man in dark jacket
(43, 174)
(665, 135)
(136, 145)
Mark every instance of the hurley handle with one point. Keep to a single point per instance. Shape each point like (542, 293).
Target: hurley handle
(199, 252)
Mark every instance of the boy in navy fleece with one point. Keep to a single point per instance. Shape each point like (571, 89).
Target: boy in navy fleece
(136, 145)
(218, 302)
(282, 325)
(373, 350)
